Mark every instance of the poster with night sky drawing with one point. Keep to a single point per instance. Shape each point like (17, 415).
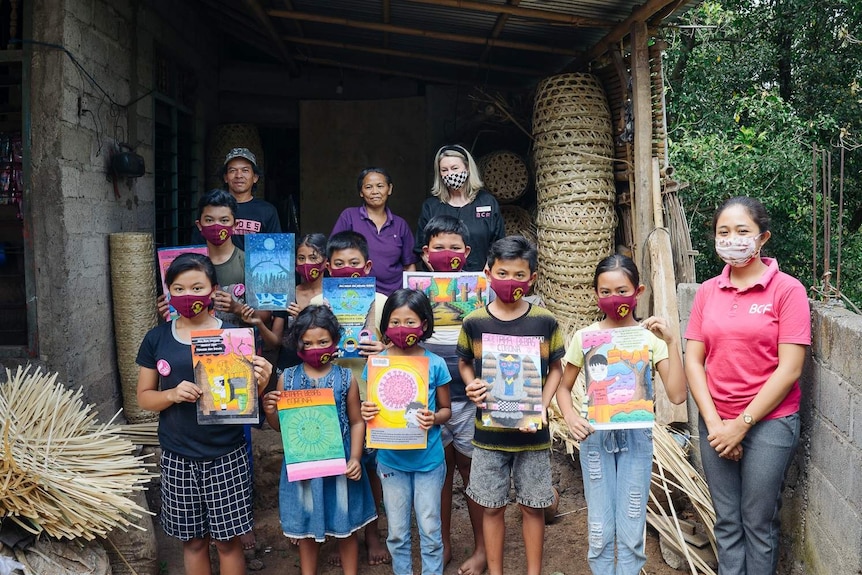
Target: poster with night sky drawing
(618, 373)
(270, 273)
(511, 369)
(311, 434)
(222, 360)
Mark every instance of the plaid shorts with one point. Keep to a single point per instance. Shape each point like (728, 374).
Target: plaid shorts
(206, 497)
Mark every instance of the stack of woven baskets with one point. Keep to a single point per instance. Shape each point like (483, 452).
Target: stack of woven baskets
(506, 176)
(573, 156)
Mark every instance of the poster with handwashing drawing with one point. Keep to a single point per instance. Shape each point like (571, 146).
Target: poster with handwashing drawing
(399, 386)
(511, 370)
(452, 295)
(166, 256)
(352, 302)
(618, 373)
(222, 360)
(270, 273)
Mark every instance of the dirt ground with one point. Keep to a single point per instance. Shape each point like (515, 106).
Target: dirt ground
(565, 538)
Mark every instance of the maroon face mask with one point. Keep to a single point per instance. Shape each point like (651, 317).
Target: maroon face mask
(348, 272)
(403, 336)
(317, 357)
(618, 307)
(216, 234)
(190, 305)
(446, 261)
(310, 272)
(510, 291)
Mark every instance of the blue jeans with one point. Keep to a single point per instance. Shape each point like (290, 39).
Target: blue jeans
(616, 465)
(404, 491)
(746, 495)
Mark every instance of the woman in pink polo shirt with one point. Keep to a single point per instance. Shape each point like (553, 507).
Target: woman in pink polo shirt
(747, 341)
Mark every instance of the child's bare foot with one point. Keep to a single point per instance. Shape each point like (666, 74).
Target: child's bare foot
(334, 559)
(377, 552)
(474, 565)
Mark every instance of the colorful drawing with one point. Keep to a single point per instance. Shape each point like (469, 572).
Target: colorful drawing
(452, 295)
(399, 386)
(224, 371)
(166, 256)
(511, 368)
(270, 277)
(352, 302)
(618, 372)
(311, 434)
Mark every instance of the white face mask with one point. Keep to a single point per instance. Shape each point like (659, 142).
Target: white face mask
(454, 180)
(737, 251)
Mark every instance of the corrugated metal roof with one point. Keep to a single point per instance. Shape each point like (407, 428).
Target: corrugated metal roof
(503, 42)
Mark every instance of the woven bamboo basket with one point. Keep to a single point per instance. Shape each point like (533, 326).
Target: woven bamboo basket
(576, 191)
(505, 175)
(580, 216)
(552, 166)
(133, 273)
(518, 221)
(222, 139)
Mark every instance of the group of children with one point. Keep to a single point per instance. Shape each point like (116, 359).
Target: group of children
(206, 486)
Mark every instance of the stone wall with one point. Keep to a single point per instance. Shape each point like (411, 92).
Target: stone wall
(74, 126)
(822, 512)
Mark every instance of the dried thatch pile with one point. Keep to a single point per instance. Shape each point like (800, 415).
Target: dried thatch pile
(60, 472)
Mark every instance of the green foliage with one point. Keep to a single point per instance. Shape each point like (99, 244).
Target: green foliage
(749, 98)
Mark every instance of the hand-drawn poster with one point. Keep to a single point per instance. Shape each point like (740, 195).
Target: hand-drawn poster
(352, 302)
(399, 387)
(618, 373)
(166, 256)
(270, 273)
(225, 374)
(311, 434)
(452, 295)
(511, 368)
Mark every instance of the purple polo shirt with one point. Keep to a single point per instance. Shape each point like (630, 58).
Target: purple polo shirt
(390, 249)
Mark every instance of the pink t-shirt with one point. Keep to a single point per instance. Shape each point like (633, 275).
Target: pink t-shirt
(741, 330)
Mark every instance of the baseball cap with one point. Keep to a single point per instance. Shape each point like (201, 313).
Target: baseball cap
(240, 153)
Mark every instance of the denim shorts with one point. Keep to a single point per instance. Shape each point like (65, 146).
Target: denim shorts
(460, 427)
(490, 474)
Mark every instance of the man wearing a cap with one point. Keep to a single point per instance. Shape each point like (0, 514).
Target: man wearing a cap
(253, 215)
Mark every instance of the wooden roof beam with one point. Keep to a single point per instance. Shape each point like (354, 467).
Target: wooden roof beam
(416, 56)
(337, 21)
(513, 10)
(269, 28)
(499, 24)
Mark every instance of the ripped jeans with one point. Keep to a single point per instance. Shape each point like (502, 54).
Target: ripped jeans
(616, 465)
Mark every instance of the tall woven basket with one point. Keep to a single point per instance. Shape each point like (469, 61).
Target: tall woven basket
(505, 175)
(573, 160)
(222, 139)
(133, 273)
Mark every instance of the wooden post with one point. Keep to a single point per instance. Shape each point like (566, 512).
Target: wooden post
(642, 202)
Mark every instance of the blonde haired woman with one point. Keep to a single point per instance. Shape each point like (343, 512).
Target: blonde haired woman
(458, 192)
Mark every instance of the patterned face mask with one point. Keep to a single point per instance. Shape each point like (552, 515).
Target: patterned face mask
(454, 180)
(737, 251)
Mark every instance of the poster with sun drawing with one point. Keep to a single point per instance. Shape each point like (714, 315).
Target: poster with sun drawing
(166, 256)
(352, 302)
(618, 373)
(399, 387)
(511, 369)
(224, 371)
(452, 295)
(310, 434)
(270, 273)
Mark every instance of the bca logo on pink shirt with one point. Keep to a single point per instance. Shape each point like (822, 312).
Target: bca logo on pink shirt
(163, 367)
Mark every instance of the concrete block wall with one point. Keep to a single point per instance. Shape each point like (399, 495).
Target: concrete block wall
(821, 516)
(74, 127)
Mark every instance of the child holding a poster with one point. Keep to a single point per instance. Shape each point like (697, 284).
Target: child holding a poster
(216, 506)
(312, 509)
(412, 478)
(617, 463)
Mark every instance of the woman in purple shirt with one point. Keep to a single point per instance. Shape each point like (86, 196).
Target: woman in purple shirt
(390, 241)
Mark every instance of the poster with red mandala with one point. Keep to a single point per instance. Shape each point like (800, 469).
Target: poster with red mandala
(399, 386)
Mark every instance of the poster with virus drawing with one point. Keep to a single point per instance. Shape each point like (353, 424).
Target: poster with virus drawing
(222, 360)
(511, 370)
(270, 273)
(166, 256)
(311, 434)
(618, 373)
(352, 302)
(452, 294)
(399, 387)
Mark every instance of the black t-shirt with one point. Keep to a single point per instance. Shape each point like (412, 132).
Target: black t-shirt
(484, 223)
(255, 216)
(179, 431)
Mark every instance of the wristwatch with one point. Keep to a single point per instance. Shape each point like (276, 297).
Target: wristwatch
(748, 419)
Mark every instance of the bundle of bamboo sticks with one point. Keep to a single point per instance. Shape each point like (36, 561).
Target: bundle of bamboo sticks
(60, 472)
